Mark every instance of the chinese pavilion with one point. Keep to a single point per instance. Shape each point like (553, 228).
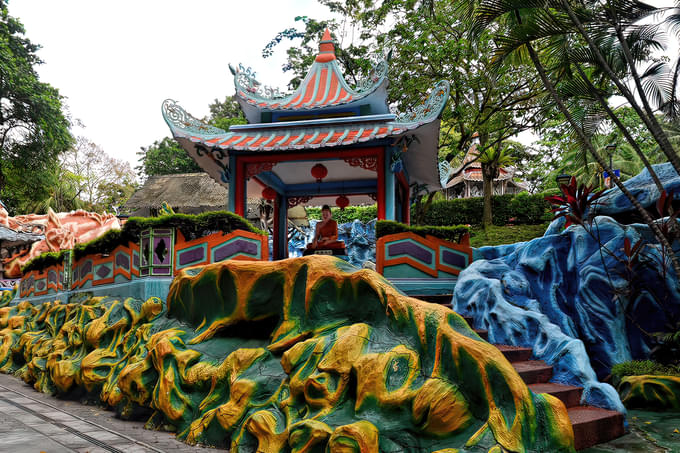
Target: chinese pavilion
(325, 143)
(469, 181)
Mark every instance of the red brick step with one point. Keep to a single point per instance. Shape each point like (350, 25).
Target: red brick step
(533, 371)
(568, 394)
(593, 425)
(515, 353)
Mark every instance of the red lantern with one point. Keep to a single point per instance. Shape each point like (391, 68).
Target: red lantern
(319, 171)
(342, 202)
(269, 194)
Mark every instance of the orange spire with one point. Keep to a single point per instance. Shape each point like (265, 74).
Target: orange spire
(326, 48)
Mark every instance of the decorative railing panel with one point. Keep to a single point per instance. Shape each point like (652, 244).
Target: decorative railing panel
(408, 255)
(163, 253)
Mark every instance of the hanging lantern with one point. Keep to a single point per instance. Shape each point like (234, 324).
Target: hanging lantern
(269, 194)
(342, 202)
(319, 171)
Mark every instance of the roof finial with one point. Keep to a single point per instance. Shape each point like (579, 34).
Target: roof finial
(326, 48)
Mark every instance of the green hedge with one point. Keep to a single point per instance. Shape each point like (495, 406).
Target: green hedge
(450, 233)
(523, 208)
(44, 260)
(191, 226)
(349, 214)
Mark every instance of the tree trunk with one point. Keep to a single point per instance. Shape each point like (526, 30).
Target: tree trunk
(420, 219)
(487, 217)
(589, 146)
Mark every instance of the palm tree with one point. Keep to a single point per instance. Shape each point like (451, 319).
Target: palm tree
(523, 24)
(492, 160)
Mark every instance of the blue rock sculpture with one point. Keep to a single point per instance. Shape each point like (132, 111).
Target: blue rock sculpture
(570, 296)
(359, 240)
(643, 189)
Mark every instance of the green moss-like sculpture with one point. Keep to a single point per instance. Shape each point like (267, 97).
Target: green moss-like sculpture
(7, 296)
(301, 355)
(651, 392)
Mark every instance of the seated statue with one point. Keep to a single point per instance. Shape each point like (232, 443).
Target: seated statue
(326, 236)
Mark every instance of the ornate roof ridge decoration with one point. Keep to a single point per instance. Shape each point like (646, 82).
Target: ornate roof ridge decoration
(429, 109)
(244, 79)
(324, 85)
(178, 119)
(184, 125)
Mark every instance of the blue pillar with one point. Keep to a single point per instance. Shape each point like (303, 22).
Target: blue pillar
(232, 183)
(389, 186)
(282, 253)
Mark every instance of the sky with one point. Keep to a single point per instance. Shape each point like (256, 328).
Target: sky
(115, 62)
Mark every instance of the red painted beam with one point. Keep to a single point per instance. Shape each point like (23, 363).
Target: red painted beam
(333, 154)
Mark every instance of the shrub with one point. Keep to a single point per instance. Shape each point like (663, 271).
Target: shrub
(450, 233)
(44, 260)
(640, 368)
(522, 208)
(349, 214)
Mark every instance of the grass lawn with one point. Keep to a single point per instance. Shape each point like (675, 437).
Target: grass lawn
(508, 234)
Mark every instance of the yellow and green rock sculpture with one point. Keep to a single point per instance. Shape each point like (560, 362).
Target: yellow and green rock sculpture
(651, 392)
(300, 355)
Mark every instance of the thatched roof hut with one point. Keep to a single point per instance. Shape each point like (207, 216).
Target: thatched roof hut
(189, 193)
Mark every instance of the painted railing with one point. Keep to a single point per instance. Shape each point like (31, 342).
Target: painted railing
(410, 257)
(160, 252)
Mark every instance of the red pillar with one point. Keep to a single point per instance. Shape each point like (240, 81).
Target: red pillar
(381, 184)
(240, 188)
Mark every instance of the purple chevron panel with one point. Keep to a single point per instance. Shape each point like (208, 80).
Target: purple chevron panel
(411, 249)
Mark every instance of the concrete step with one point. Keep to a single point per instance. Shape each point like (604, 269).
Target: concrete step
(570, 395)
(533, 371)
(593, 425)
(515, 353)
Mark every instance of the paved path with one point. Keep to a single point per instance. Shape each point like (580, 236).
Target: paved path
(33, 422)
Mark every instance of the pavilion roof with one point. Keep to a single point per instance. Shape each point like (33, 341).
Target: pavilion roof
(472, 169)
(324, 87)
(209, 145)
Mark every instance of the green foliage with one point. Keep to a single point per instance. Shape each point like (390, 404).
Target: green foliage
(565, 154)
(451, 233)
(165, 157)
(522, 208)
(506, 234)
(641, 368)
(349, 214)
(33, 127)
(45, 260)
(105, 243)
(226, 113)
